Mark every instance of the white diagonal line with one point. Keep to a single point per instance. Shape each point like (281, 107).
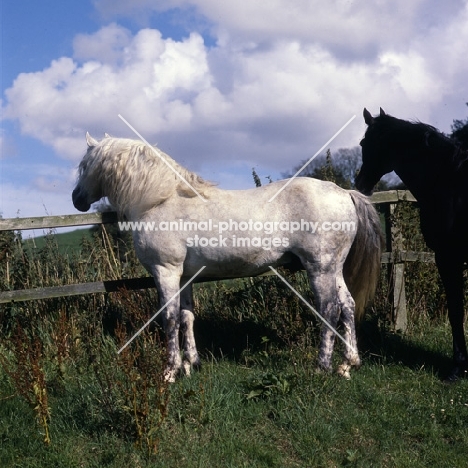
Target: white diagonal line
(160, 310)
(162, 159)
(312, 158)
(313, 310)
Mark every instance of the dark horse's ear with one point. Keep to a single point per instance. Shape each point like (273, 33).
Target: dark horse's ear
(427, 138)
(368, 117)
(382, 112)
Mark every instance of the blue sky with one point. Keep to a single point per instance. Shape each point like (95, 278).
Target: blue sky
(220, 86)
(33, 34)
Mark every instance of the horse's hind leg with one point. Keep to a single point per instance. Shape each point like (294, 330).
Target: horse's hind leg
(335, 304)
(330, 313)
(323, 286)
(191, 358)
(347, 305)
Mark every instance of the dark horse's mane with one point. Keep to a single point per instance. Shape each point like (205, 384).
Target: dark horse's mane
(415, 134)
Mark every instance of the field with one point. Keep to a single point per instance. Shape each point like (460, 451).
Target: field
(68, 399)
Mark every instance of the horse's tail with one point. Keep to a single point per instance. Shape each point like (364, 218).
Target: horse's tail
(362, 266)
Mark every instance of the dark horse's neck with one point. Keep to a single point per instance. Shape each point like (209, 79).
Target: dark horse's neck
(424, 159)
(435, 171)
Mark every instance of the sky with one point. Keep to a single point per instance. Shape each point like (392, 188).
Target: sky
(221, 86)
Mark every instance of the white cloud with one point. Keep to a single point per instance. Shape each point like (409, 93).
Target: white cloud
(149, 79)
(344, 26)
(280, 81)
(284, 97)
(105, 45)
(412, 74)
(256, 21)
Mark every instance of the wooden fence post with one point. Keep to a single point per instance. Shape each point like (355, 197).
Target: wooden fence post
(397, 273)
(395, 255)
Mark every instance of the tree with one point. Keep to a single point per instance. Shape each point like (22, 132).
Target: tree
(340, 168)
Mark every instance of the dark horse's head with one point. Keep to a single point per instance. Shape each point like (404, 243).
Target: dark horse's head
(87, 189)
(376, 158)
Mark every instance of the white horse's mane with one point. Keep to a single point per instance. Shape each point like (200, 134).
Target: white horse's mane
(136, 177)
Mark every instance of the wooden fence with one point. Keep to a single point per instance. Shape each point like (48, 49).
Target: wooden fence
(394, 257)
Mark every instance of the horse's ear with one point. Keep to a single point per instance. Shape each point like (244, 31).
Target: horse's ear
(90, 140)
(427, 138)
(106, 135)
(368, 117)
(382, 112)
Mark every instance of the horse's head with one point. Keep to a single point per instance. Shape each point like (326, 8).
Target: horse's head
(376, 160)
(88, 189)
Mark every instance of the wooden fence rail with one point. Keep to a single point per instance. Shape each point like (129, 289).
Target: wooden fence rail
(395, 257)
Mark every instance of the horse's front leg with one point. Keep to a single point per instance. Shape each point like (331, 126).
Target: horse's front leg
(191, 358)
(168, 285)
(451, 274)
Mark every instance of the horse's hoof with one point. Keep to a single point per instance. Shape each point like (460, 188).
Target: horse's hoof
(170, 375)
(343, 370)
(323, 370)
(456, 374)
(355, 362)
(188, 367)
(196, 364)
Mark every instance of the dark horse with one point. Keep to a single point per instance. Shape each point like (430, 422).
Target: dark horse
(435, 169)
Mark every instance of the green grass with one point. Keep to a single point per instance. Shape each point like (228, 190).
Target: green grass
(256, 402)
(267, 409)
(67, 242)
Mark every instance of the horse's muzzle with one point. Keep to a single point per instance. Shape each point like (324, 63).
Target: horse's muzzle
(364, 186)
(80, 201)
